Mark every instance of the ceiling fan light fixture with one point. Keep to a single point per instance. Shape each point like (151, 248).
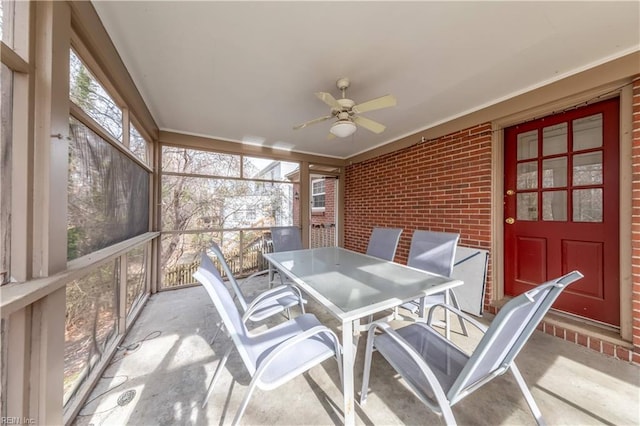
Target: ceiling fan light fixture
(343, 128)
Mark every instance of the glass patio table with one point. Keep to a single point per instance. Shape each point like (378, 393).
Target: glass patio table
(352, 286)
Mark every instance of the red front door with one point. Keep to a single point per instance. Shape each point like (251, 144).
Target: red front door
(562, 208)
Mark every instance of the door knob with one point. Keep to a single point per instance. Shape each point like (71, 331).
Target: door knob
(510, 192)
(510, 220)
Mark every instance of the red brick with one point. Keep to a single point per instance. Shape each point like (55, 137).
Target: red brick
(608, 349)
(594, 344)
(582, 340)
(623, 353)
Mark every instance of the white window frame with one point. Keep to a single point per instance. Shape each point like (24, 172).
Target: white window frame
(315, 209)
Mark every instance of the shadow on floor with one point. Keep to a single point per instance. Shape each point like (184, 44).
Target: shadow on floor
(164, 380)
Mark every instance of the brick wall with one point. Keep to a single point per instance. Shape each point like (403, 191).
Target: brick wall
(635, 226)
(445, 185)
(440, 185)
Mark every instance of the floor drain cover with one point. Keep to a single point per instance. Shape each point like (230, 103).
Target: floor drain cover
(126, 397)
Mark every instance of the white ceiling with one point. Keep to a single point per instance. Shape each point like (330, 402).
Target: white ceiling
(247, 71)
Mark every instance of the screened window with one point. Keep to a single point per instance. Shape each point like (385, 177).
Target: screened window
(90, 324)
(6, 113)
(108, 194)
(86, 92)
(138, 145)
(318, 194)
(228, 198)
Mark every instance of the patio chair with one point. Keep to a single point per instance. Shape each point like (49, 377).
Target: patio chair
(434, 252)
(286, 238)
(383, 243)
(266, 304)
(274, 356)
(440, 373)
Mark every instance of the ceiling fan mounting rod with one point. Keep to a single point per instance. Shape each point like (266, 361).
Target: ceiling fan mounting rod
(342, 84)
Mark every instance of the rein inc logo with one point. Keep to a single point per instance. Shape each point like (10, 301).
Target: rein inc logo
(17, 421)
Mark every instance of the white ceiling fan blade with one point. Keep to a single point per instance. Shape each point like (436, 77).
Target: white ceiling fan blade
(369, 124)
(328, 99)
(373, 104)
(314, 121)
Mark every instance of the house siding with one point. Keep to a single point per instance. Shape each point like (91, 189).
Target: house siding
(445, 185)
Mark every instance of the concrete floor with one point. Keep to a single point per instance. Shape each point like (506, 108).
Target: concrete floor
(162, 378)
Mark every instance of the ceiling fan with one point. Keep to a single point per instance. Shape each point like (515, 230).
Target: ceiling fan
(346, 111)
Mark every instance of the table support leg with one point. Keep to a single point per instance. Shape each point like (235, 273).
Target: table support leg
(447, 323)
(348, 354)
(271, 275)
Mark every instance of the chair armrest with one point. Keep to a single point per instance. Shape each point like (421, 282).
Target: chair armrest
(458, 312)
(254, 275)
(297, 339)
(271, 296)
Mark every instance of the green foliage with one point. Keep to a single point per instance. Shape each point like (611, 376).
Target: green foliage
(74, 236)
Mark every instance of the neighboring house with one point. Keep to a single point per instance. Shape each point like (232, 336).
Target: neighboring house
(322, 199)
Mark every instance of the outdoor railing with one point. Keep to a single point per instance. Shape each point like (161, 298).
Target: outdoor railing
(323, 236)
(251, 260)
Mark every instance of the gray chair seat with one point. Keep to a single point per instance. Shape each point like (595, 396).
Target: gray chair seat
(446, 361)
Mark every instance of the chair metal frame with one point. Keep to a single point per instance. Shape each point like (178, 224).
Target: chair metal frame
(270, 302)
(434, 252)
(274, 356)
(440, 373)
(286, 296)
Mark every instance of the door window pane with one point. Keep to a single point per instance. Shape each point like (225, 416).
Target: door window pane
(527, 206)
(587, 205)
(554, 172)
(554, 139)
(587, 132)
(587, 168)
(527, 177)
(317, 194)
(554, 205)
(528, 145)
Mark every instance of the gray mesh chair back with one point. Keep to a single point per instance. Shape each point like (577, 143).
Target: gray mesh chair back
(212, 282)
(205, 262)
(286, 238)
(433, 251)
(440, 373)
(274, 356)
(383, 242)
(509, 331)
